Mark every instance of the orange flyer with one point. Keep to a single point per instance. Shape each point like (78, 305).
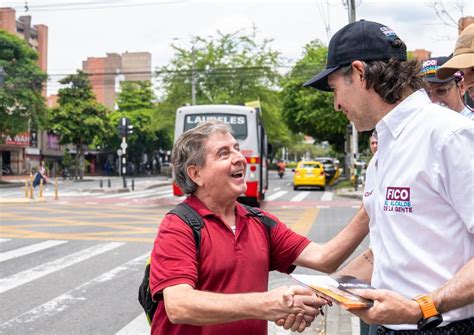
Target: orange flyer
(337, 289)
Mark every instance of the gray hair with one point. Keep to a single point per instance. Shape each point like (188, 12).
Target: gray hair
(189, 149)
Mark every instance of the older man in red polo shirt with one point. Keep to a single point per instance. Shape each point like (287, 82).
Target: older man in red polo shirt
(223, 290)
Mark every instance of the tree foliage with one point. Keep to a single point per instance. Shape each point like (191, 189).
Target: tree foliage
(228, 69)
(21, 101)
(310, 111)
(79, 119)
(136, 101)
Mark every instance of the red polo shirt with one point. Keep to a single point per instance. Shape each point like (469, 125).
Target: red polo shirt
(227, 263)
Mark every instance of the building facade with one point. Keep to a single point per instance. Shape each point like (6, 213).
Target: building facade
(106, 73)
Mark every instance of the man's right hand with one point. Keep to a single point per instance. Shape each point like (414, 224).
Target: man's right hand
(296, 307)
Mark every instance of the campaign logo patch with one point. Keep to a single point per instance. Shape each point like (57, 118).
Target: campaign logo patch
(397, 199)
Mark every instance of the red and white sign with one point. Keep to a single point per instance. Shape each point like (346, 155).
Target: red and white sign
(21, 139)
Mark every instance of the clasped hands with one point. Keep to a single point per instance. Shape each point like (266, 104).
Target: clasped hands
(298, 307)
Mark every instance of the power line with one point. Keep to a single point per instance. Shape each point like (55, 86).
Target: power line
(93, 5)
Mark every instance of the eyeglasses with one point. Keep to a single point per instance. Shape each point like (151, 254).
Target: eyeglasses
(441, 91)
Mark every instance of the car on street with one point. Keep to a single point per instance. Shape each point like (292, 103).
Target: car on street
(309, 173)
(331, 168)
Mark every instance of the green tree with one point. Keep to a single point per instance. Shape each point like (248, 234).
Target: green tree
(79, 119)
(21, 102)
(136, 102)
(227, 69)
(310, 111)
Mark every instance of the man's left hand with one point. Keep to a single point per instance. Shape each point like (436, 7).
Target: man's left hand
(389, 308)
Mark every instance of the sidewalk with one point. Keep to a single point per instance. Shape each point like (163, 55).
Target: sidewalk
(13, 187)
(350, 192)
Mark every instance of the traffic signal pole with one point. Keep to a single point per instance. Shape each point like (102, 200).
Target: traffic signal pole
(125, 128)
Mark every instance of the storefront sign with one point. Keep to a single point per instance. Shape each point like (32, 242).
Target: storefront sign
(53, 142)
(34, 139)
(21, 139)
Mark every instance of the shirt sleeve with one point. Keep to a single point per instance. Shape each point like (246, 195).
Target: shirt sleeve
(455, 176)
(285, 246)
(173, 258)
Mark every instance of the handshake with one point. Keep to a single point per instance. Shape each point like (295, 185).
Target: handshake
(294, 307)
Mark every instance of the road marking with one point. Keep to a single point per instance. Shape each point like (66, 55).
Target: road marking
(276, 189)
(322, 206)
(355, 325)
(66, 300)
(21, 278)
(305, 222)
(355, 206)
(112, 195)
(276, 195)
(5, 256)
(300, 196)
(168, 194)
(4, 240)
(139, 326)
(142, 194)
(327, 196)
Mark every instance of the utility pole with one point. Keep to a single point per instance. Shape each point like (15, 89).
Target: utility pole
(354, 138)
(193, 78)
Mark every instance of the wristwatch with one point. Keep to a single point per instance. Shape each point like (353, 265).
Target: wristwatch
(431, 317)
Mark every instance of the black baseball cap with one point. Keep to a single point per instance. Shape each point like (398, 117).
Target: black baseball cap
(360, 40)
(430, 66)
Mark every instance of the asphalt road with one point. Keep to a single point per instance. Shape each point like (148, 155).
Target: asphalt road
(73, 266)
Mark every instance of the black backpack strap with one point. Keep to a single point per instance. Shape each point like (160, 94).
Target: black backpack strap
(192, 219)
(268, 222)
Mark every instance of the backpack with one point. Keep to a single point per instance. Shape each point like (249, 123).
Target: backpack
(193, 220)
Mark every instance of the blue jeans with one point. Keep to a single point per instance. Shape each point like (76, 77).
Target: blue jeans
(37, 179)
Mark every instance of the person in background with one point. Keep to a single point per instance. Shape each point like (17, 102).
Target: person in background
(374, 142)
(448, 92)
(462, 60)
(418, 190)
(223, 290)
(41, 174)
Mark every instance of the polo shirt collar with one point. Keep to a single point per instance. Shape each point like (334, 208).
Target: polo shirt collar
(399, 117)
(203, 211)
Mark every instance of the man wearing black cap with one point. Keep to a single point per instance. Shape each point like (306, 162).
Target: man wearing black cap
(446, 92)
(418, 191)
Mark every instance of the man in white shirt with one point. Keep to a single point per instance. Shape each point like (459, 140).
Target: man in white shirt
(448, 92)
(419, 186)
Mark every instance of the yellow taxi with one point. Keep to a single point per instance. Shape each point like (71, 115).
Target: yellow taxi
(309, 173)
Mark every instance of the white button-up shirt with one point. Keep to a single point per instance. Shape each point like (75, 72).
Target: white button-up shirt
(419, 194)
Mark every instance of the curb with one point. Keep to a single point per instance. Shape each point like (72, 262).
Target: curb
(349, 194)
(158, 185)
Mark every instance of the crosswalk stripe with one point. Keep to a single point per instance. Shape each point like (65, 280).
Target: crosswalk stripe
(327, 196)
(276, 189)
(112, 195)
(21, 278)
(4, 240)
(5, 256)
(139, 194)
(64, 301)
(138, 326)
(355, 325)
(277, 195)
(300, 196)
(169, 195)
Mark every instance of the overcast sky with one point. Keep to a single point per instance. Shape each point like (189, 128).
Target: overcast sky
(80, 31)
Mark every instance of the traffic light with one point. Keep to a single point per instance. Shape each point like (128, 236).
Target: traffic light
(125, 128)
